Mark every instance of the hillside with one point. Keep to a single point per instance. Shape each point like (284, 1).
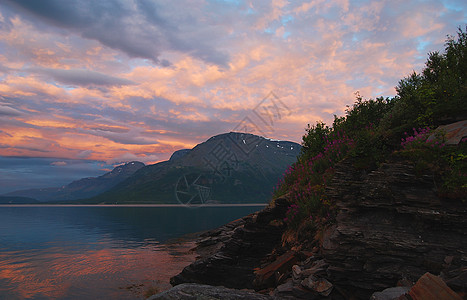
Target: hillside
(82, 188)
(17, 200)
(374, 208)
(227, 168)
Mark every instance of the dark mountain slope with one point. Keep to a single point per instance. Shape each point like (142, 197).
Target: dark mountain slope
(227, 168)
(17, 200)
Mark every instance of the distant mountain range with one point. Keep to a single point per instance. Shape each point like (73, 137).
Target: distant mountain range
(82, 188)
(227, 168)
(17, 200)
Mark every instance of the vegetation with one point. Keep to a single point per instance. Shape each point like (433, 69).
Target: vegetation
(374, 129)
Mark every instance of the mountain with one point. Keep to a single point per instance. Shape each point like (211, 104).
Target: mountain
(179, 154)
(227, 168)
(82, 188)
(17, 200)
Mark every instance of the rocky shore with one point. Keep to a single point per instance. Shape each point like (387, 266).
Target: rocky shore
(393, 238)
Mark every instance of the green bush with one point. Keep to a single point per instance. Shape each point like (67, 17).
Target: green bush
(373, 129)
(314, 141)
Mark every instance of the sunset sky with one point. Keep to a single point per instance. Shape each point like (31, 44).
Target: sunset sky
(86, 85)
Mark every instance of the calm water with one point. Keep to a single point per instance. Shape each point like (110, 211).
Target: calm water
(98, 252)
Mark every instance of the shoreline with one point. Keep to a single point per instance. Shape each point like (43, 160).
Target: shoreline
(138, 205)
(386, 219)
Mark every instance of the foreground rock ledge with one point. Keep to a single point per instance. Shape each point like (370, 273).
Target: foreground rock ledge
(229, 254)
(191, 291)
(392, 227)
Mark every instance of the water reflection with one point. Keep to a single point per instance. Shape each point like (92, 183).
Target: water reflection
(96, 252)
(108, 273)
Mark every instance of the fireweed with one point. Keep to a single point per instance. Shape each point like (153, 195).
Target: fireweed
(428, 151)
(421, 138)
(305, 180)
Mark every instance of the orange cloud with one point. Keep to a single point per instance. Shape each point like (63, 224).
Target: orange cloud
(50, 123)
(332, 49)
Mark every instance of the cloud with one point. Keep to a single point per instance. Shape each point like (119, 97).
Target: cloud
(121, 80)
(126, 157)
(5, 133)
(58, 163)
(84, 154)
(82, 77)
(109, 128)
(118, 135)
(38, 172)
(141, 29)
(9, 111)
(36, 144)
(132, 138)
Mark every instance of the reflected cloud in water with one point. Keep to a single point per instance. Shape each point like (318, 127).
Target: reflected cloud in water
(98, 252)
(111, 272)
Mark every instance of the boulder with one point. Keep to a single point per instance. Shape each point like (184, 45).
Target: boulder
(390, 293)
(454, 132)
(318, 267)
(456, 279)
(266, 277)
(296, 272)
(319, 285)
(191, 291)
(431, 287)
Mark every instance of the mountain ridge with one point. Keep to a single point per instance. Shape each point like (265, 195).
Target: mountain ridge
(230, 167)
(81, 188)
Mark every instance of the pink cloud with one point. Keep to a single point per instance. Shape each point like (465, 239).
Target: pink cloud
(73, 94)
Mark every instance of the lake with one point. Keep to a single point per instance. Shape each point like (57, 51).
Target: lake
(99, 252)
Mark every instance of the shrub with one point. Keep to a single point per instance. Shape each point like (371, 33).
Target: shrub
(428, 151)
(372, 129)
(314, 140)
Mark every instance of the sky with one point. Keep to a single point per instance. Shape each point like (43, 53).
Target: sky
(87, 85)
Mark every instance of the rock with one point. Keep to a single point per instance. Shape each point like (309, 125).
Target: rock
(318, 267)
(307, 254)
(457, 280)
(391, 224)
(192, 291)
(431, 287)
(448, 260)
(390, 293)
(453, 132)
(296, 272)
(285, 287)
(308, 262)
(302, 293)
(319, 285)
(229, 254)
(291, 291)
(265, 277)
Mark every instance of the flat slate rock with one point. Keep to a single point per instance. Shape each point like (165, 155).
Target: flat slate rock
(455, 132)
(431, 287)
(390, 293)
(193, 291)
